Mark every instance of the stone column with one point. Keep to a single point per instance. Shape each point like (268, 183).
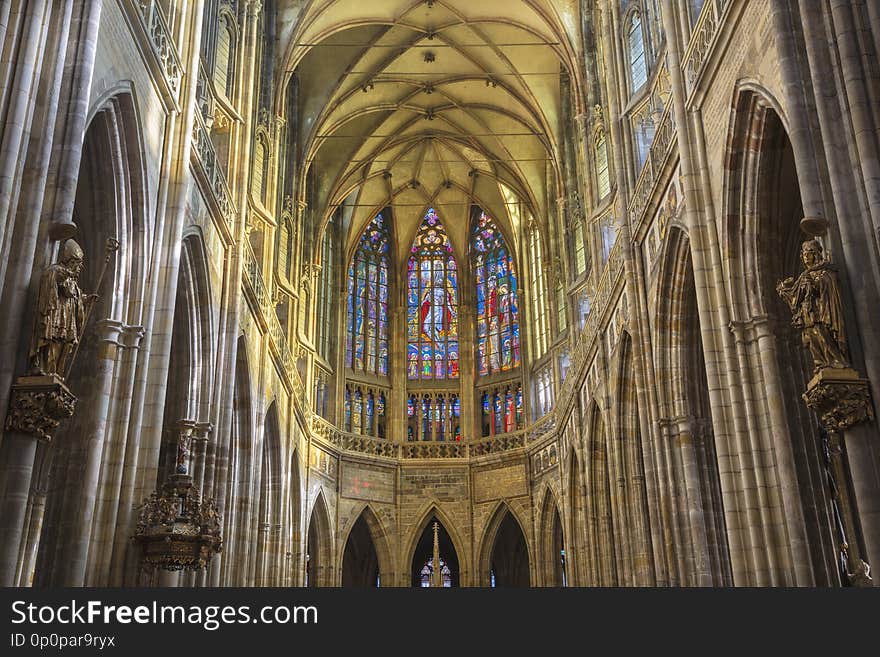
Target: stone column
(93, 410)
(38, 404)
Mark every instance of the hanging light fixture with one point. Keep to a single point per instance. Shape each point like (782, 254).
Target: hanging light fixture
(178, 529)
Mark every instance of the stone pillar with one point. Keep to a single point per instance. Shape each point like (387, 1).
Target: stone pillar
(37, 406)
(93, 410)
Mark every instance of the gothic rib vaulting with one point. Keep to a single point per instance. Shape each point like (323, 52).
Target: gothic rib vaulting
(439, 293)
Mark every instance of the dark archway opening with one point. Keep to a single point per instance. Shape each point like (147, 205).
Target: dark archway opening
(509, 563)
(423, 558)
(556, 558)
(360, 562)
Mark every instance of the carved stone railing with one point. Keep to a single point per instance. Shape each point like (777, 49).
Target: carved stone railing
(608, 283)
(162, 47)
(253, 275)
(361, 444)
(204, 95)
(501, 443)
(661, 147)
(214, 180)
(433, 450)
(701, 41)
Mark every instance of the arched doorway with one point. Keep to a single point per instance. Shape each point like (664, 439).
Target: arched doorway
(763, 209)
(360, 561)
(552, 544)
(318, 570)
(423, 566)
(509, 557)
(58, 545)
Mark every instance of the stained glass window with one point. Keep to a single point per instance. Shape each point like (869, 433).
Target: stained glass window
(427, 571)
(366, 342)
(432, 304)
(498, 347)
(502, 411)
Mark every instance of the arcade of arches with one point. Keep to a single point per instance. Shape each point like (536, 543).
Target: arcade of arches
(441, 293)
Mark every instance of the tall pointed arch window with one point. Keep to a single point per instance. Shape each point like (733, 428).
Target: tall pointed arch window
(432, 304)
(327, 319)
(366, 341)
(498, 346)
(224, 54)
(603, 178)
(638, 65)
(539, 294)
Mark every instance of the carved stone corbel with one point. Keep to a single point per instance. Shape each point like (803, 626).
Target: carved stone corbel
(38, 405)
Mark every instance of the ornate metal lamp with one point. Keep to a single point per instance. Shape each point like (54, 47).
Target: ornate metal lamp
(178, 529)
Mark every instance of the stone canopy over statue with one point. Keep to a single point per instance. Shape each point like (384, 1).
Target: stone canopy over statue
(814, 299)
(61, 312)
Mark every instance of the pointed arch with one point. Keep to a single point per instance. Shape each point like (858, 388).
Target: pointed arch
(551, 542)
(430, 511)
(355, 541)
(369, 282)
(242, 455)
(432, 296)
(497, 303)
(319, 546)
(505, 550)
(762, 238)
(629, 471)
(691, 475)
(111, 201)
(600, 511)
(269, 518)
(578, 539)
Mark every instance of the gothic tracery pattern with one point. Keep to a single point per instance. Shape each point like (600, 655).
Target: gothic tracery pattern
(498, 346)
(432, 304)
(366, 341)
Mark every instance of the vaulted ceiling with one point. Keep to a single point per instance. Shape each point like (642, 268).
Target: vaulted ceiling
(414, 103)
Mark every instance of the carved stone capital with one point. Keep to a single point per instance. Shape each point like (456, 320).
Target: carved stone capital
(131, 337)
(840, 398)
(38, 405)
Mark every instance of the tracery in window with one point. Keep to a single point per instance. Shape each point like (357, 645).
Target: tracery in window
(603, 178)
(432, 304)
(540, 329)
(638, 65)
(502, 410)
(498, 346)
(327, 317)
(366, 340)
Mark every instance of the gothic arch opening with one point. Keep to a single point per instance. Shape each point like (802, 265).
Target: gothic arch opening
(552, 544)
(110, 203)
(360, 562)
(634, 524)
(425, 573)
(240, 473)
(270, 503)
(605, 549)
(694, 493)
(319, 570)
(507, 559)
(763, 231)
(580, 573)
(367, 560)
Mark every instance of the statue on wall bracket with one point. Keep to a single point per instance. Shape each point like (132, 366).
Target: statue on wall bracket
(836, 393)
(41, 399)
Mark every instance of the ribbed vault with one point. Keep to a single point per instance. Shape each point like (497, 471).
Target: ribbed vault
(411, 104)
